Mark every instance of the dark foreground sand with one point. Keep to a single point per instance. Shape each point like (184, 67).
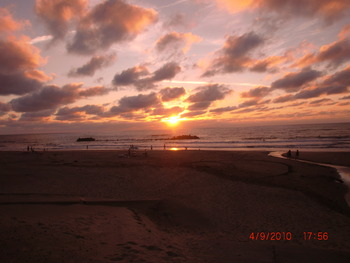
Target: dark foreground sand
(185, 206)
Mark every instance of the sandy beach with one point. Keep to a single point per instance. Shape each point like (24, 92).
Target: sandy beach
(171, 206)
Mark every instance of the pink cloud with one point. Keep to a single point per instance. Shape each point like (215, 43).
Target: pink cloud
(175, 40)
(110, 22)
(58, 14)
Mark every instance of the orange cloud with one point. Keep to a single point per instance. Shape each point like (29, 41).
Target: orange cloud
(335, 53)
(7, 23)
(235, 6)
(16, 54)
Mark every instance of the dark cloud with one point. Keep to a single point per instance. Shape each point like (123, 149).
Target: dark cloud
(201, 105)
(341, 78)
(78, 113)
(51, 97)
(168, 94)
(133, 76)
(205, 95)
(94, 91)
(18, 63)
(344, 104)
(312, 93)
(320, 101)
(94, 64)
(18, 84)
(130, 76)
(37, 116)
(192, 114)
(48, 97)
(58, 14)
(345, 98)
(135, 103)
(235, 55)
(224, 109)
(110, 22)
(249, 103)
(258, 92)
(284, 98)
(295, 81)
(166, 72)
(309, 93)
(209, 93)
(4, 108)
(17, 55)
(335, 54)
(175, 40)
(330, 10)
(268, 64)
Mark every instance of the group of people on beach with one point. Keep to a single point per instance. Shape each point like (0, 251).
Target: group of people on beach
(289, 154)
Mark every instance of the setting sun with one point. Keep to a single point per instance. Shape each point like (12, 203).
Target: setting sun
(173, 120)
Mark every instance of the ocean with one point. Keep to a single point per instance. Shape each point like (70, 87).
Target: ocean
(309, 137)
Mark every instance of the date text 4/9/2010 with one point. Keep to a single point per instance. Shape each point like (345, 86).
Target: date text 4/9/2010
(288, 236)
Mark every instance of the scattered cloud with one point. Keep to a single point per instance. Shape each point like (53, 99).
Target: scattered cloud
(7, 23)
(258, 92)
(58, 14)
(51, 97)
(341, 78)
(109, 22)
(16, 55)
(38, 115)
(168, 94)
(174, 41)
(234, 56)
(78, 113)
(333, 55)
(17, 84)
(19, 61)
(295, 81)
(166, 72)
(320, 101)
(205, 95)
(140, 77)
(135, 103)
(284, 98)
(330, 10)
(345, 98)
(209, 93)
(94, 64)
(223, 109)
(4, 107)
(200, 105)
(94, 91)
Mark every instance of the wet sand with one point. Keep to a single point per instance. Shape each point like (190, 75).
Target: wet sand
(170, 206)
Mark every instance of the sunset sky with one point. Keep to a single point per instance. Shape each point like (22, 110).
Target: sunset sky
(69, 65)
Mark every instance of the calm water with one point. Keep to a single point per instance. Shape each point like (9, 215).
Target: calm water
(330, 137)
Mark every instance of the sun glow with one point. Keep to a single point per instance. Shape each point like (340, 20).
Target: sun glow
(172, 121)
